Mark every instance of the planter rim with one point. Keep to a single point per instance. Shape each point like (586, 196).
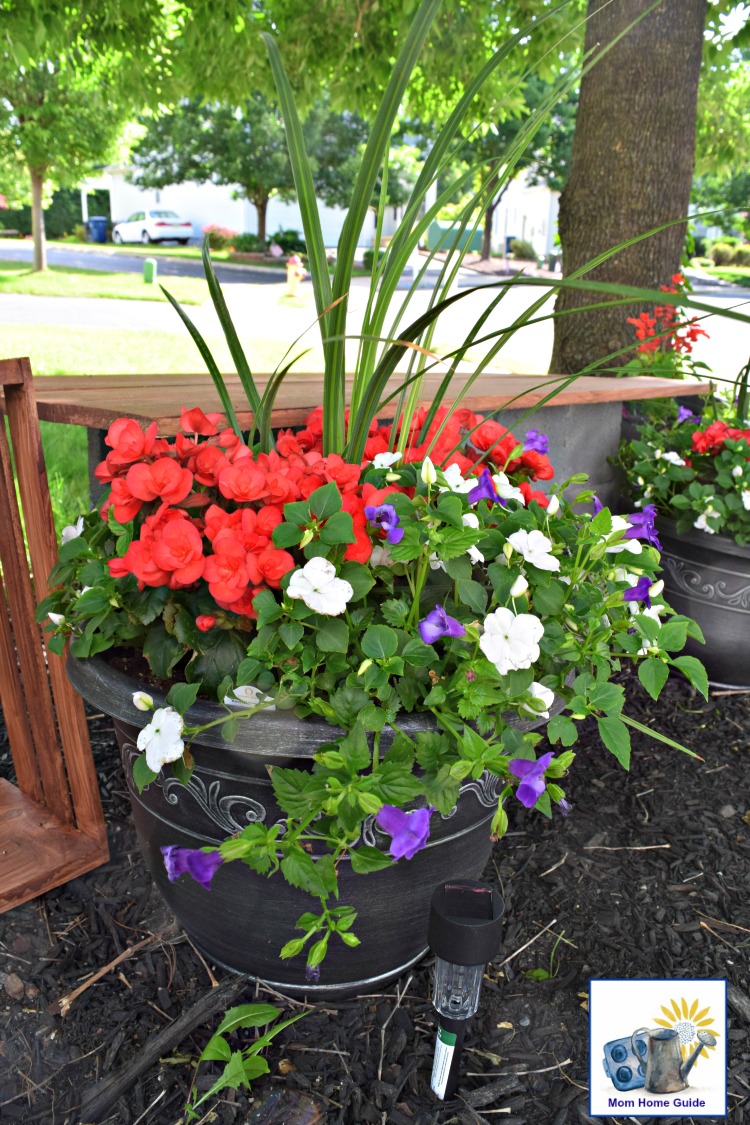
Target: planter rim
(702, 539)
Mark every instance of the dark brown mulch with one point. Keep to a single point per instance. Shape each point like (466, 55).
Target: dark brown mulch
(622, 913)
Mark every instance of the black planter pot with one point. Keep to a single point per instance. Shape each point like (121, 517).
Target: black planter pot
(245, 919)
(707, 577)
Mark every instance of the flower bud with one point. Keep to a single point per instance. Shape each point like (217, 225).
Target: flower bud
(507, 550)
(554, 506)
(429, 472)
(57, 618)
(656, 589)
(363, 667)
(307, 538)
(520, 586)
(143, 701)
(737, 471)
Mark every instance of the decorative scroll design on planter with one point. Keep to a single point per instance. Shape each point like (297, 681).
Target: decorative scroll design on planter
(692, 582)
(485, 789)
(219, 809)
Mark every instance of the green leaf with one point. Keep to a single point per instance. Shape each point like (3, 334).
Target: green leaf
(317, 877)
(93, 601)
(324, 501)
(163, 651)
(379, 642)
(354, 749)
(366, 859)
(347, 702)
(292, 948)
(142, 775)
(395, 612)
(562, 729)
(359, 577)
(672, 636)
(373, 717)
(297, 512)
(695, 672)
(291, 632)
(216, 1050)
(418, 654)
(653, 674)
(247, 1015)
(616, 737)
(549, 599)
(339, 529)
(223, 652)
(230, 729)
(601, 524)
(333, 636)
(286, 535)
(183, 696)
(472, 594)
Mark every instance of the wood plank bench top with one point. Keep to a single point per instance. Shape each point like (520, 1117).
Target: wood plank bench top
(95, 401)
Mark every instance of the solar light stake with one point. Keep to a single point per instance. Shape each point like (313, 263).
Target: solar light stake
(464, 934)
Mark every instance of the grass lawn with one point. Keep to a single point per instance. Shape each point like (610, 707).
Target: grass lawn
(155, 250)
(62, 281)
(736, 275)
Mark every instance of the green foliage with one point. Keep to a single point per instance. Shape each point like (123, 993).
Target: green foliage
(522, 249)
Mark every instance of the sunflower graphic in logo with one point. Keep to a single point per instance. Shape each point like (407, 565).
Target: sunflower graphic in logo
(687, 1021)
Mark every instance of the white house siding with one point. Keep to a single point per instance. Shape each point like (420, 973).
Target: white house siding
(209, 204)
(527, 211)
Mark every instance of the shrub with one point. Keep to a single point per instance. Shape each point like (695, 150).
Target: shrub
(248, 243)
(702, 263)
(290, 241)
(721, 253)
(522, 250)
(741, 256)
(368, 258)
(219, 237)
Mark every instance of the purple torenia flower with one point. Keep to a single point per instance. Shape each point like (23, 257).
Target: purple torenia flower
(532, 778)
(385, 518)
(564, 806)
(485, 490)
(312, 974)
(537, 441)
(202, 866)
(639, 592)
(684, 414)
(642, 526)
(409, 831)
(439, 624)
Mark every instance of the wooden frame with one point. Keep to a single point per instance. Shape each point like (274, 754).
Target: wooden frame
(51, 822)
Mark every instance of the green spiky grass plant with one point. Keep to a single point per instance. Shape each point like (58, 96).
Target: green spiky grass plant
(384, 346)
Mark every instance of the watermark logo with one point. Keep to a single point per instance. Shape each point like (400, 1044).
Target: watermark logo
(657, 1047)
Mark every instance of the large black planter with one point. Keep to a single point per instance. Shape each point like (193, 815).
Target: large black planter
(707, 577)
(245, 919)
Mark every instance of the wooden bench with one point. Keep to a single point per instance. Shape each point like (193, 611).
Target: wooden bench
(51, 822)
(582, 421)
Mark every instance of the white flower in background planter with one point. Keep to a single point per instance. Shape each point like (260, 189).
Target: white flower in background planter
(162, 738)
(385, 460)
(469, 519)
(381, 556)
(143, 701)
(511, 641)
(670, 456)
(535, 548)
(745, 495)
(319, 588)
(545, 694)
(701, 524)
(455, 482)
(248, 695)
(506, 490)
(72, 531)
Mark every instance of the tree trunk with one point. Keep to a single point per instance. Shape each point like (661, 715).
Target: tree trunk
(631, 166)
(37, 219)
(261, 206)
(488, 217)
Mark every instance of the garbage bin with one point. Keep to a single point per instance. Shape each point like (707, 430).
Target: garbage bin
(98, 228)
(508, 239)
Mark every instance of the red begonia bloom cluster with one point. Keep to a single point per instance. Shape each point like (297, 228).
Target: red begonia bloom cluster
(211, 505)
(711, 440)
(664, 330)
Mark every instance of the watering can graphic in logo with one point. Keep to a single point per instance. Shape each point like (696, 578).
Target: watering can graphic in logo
(661, 1059)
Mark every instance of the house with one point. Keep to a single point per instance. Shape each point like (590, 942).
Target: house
(211, 204)
(527, 211)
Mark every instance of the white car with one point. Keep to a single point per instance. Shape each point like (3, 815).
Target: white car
(153, 226)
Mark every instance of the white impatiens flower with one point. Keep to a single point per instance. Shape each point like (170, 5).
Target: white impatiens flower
(554, 506)
(428, 472)
(670, 456)
(455, 482)
(72, 531)
(506, 490)
(535, 548)
(737, 471)
(745, 496)
(385, 460)
(470, 519)
(701, 523)
(319, 588)
(143, 701)
(162, 738)
(547, 696)
(633, 546)
(381, 556)
(510, 640)
(248, 695)
(57, 618)
(519, 587)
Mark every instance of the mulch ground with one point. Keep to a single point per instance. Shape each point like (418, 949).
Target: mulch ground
(648, 876)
